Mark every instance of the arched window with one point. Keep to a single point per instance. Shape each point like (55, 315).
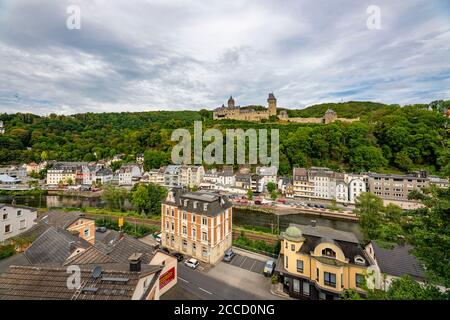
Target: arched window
(329, 253)
(360, 260)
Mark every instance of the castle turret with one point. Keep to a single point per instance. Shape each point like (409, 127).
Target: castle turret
(272, 105)
(231, 102)
(330, 116)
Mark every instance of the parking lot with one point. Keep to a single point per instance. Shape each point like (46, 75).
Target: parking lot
(248, 263)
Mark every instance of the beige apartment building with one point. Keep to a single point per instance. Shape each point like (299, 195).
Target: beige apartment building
(302, 185)
(197, 224)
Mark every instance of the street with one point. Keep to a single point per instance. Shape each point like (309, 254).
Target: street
(214, 285)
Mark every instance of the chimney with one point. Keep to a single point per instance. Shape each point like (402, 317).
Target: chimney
(313, 223)
(135, 262)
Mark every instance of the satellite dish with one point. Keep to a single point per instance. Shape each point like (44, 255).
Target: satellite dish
(96, 272)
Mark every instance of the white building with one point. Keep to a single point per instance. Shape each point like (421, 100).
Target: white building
(227, 179)
(129, 174)
(356, 186)
(15, 220)
(2, 128)
(191, 176)
(323, 182)
(172, 177)
(267, 174)
(155, 176)
(211, 176)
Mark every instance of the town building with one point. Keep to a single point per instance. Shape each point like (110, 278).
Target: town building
(2, 127)
(172, 176)
(118, 282)
(129, 174)
(18, 172)
(211, 176)
(198, 224)
(74, 222)
(8, 180)
(140, 158)
(66, 173)
(15, 220)
(317, 262)
(267, 175)
(243, 181)
(302, 184)
(191, 176)
(391, 262)
(155, 176)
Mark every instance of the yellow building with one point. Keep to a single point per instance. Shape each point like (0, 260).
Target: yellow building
(318, 262)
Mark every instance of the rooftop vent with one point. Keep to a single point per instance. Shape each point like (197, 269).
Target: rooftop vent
(96, 272)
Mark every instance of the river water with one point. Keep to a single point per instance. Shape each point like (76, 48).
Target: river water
(240, 217)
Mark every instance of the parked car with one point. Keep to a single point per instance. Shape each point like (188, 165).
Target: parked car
(229, 255)
(179, 256)
(101, 229)
(269, 268)
(191, 263)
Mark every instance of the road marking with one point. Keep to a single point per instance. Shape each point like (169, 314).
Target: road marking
(205, 290)
(245, 258)
(183, 279)
(251, 268)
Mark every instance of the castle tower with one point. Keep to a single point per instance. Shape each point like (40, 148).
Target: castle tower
(272, 105)
(330, 116)
(231, 102)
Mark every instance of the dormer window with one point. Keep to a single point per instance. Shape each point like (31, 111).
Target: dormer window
(205, 206)
(195, 204)
(186, 202)
(360, 260)
(327, 252)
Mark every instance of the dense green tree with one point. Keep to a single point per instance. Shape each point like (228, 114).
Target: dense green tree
(114, 197)
(368, 209)
(271, 186)
(147, 198)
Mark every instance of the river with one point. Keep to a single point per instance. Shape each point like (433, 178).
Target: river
(240, 216)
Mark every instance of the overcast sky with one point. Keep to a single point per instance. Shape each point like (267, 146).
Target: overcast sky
(137, 55)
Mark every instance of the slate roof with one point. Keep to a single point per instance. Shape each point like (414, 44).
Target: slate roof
(61, 219)
(50, 283)
(398, 261)
(113, 249)
(54, 246)
(215, 203)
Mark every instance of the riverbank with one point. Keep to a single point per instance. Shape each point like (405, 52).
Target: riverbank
(75, 193)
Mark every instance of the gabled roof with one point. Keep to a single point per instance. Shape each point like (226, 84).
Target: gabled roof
(54, 246)
(50, 283)
(398, 261)
(61, 219)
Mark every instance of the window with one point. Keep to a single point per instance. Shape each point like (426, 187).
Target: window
(286, 264)
(19, 213)
(184, 215)
(204, 236)
(86, 232)
(296, 285)
(292, 247)
(359, 280)
(193, 218)
(173, 226)
(7, 228)
(194, 247)
(204, 251)
(300, 266)
(194, 233)
(195, 204)
(306, 288)
(286, 244)
(184, 230)
(204, 221)
(167, 224)
(329, 253)
(5, 216)
(205, 206)
(317, 275)
(329, 279)
(186, 202)
(22, 224)
(173, 213)
(360, 260)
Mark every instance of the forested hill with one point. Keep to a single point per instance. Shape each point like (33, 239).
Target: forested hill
(388, 138)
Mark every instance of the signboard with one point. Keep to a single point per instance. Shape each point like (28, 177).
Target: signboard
(166, 278)
(120, 222)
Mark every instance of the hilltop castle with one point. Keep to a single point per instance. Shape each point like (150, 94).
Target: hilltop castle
(233, 112)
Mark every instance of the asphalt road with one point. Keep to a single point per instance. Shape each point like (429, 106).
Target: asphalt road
(199, 286)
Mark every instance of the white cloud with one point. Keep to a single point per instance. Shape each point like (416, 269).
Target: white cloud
(173, 54)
